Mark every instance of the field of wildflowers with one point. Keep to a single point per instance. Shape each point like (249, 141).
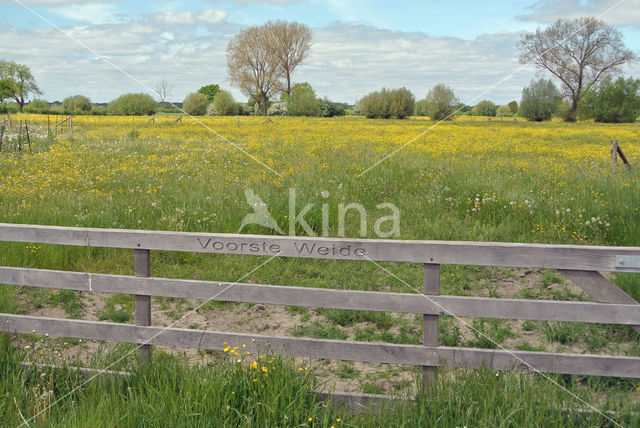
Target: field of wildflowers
(468, 179)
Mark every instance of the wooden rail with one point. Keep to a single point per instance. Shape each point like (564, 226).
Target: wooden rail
(581, 264)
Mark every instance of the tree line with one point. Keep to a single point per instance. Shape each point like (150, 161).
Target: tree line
(583, 55)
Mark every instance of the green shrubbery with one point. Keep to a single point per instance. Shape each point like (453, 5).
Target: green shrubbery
(540, 100)
(387, 103)
(612, 101)
(484, 108)
(132, 105)
(440, 104)
(195, 104)
(224, 104)
(76, 103)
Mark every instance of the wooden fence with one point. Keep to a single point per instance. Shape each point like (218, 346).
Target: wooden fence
(581, 264)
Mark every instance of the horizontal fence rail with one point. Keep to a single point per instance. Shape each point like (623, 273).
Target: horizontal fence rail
(471, 307)
(581, 264)
(573, 257)
(598, 365)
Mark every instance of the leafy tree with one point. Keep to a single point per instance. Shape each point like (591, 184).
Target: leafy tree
(540, 100)
(289, 43)
(612, 101)
(387, 103)
(504, 111)
(132, 105)
(331, 109)
(441, 102)
(484, 108)
(513, 106)
(19, 83)
(37, 105)
(420, 108)
(6, 89)
(210, 91)
(224, 104)
(195, 104)
(76, 103)
(303, 101)
(579, 53)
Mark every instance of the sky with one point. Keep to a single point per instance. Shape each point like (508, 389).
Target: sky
(107, 48)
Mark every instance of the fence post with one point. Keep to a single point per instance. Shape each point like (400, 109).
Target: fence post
(430, 325)
(142, 261)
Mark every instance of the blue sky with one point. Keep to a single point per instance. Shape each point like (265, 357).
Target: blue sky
(358, 46)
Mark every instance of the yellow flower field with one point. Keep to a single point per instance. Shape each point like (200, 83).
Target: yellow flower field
(464, 179)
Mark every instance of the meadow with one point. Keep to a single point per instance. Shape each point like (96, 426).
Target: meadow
(467, 179)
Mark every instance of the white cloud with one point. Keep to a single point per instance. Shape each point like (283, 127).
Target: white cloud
(207, 16)
(613, 12)
(93, 13)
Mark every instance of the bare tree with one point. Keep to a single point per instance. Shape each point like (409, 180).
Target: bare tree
(578, 52)
(163, 91)
(252, 67)
(290, 43)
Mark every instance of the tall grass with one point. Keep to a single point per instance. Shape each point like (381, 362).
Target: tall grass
(277, 392)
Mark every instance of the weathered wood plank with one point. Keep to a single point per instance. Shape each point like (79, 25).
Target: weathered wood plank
(430, 323)
(597, 365)
(142, 261)
(326, 298)
(600, 288)
(436, 252)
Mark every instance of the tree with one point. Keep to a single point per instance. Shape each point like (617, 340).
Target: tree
(612, 101)
(252, 67)
(504, 111)
(163, 90)
(578, 52)
(132, 105)
(540, 100)
(289, 43)
(37, 105)
(22, 83)
(441, 102)
(513, 106)
(387, 103)
(484, 108)
(224, 104)
(195, 104)
(302, 101)
(76, 103)
(6, 89)
(210, 91)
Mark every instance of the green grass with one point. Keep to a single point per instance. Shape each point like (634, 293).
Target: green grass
(435, 195)
(319, 331)
(221, 392)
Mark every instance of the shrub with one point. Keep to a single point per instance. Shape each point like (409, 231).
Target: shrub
(612, 101)
(277, 109)
(76, 103)
(441, 102)
(224, 104)
(37, 106)
(504, 111)
(484, 108)
(388, 103)
(195, 104)
(540, 100)
(331, 109)
(132, 105)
